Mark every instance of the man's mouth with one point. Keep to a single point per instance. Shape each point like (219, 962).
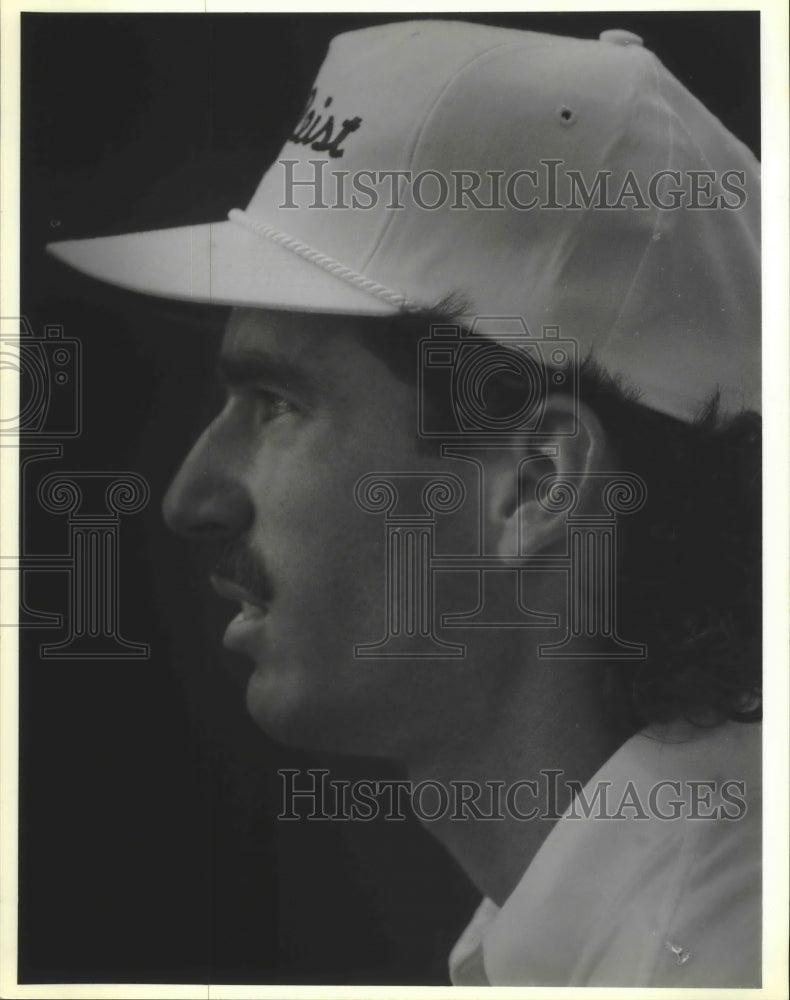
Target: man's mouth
(232, 591)
(253, 610)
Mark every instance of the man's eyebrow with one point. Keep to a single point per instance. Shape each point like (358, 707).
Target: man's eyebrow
(244, 367)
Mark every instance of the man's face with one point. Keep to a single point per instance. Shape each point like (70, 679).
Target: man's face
(270, 483)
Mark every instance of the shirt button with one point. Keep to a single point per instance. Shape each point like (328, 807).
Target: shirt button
(617, 36)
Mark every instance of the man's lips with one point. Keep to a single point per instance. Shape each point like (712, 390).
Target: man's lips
(243, 632)
(252, 606)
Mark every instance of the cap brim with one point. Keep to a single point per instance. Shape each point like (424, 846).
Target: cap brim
(220, 263)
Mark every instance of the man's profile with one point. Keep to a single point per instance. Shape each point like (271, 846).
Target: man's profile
(484, 488)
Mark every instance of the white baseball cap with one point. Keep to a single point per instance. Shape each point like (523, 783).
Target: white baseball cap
(609, 202)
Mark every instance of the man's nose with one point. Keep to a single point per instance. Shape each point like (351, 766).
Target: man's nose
(207, 501)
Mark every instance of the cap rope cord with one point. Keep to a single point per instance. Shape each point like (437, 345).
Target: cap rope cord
(323, 260)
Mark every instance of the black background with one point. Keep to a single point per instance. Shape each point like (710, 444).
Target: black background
(149, 845)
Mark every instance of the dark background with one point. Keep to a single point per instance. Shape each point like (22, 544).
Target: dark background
(149, 845)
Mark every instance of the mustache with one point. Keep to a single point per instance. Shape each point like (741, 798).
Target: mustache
(238, 564)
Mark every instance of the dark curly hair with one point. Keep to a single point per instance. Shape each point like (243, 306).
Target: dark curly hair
(689, 571)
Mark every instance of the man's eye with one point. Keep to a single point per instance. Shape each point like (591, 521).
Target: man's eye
(269, 405)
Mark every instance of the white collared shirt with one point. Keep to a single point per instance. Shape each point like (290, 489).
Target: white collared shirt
(639, 901)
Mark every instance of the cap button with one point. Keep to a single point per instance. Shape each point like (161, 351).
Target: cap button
(617, 36)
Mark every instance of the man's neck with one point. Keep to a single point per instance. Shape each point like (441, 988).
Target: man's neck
(546, 733)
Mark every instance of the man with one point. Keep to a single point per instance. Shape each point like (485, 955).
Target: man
(498, 288)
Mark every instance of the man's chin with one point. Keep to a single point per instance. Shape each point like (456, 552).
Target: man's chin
(279, 709)
(286, 713)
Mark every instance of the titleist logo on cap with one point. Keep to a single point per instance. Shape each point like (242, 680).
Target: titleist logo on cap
(317, 132)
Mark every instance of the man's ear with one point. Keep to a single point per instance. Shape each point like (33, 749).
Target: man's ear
(518, 523)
